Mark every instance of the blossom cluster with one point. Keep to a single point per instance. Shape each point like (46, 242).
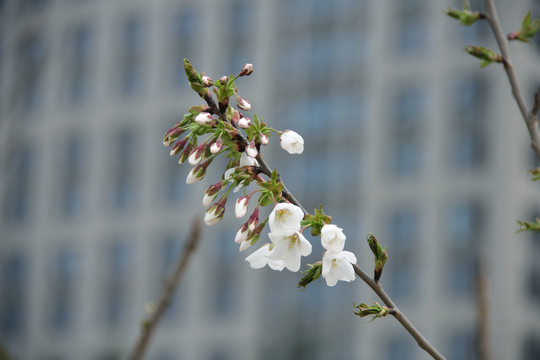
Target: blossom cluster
(219, 128)
(288, 245)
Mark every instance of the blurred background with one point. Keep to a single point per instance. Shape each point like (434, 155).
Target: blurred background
(406, 137)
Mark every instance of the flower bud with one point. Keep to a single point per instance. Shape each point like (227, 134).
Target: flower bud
(215, 213)
(185, 153)
(216, 146)
(196, 174)
(241, 234)
(204, 118)
(224, 80)
(244, 123)
(251, 150)
(207, 81)
(211, 193)
(243, 104)
(196, 154)
(264, 139)
(171, 135)
(241, 206)
(247, 69)
(179, 146)
(253, 219)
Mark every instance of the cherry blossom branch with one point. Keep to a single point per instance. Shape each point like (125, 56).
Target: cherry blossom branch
(170, 286)
(403, 320)
(482, 306)
(531, 118)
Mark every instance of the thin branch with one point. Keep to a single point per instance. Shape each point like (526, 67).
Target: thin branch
(420, 339)
(482, 306)
(536, 105)
(168, 291)
(530, 118)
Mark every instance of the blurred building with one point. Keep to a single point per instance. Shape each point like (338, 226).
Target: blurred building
(406, 137)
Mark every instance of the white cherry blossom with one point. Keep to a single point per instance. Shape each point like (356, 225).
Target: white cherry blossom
(260, 258)
(332, 238)
(292, 142)
(289, 246)
(285, 217)
(336, 265)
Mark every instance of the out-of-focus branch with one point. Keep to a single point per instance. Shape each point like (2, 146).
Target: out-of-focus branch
(531, 118)
(482, 305)
(170, 286)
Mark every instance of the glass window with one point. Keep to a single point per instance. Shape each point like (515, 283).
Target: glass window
(173, 179)
(464, 221)
(404, 230)
(183, 44)
(411, 35)
(30, 66)
(463, 346)
(12, 301)
(116, 280)
(399, 349)
(124, 169)
(241, 32)
(79, 52)
(226, 293)
(62, 290)
(72, 176)
(130, 59)
(531, 347)
(26, 6)
(17, 197)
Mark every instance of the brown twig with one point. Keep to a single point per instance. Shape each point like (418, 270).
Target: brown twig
(170, 286)
(482, 305)
(531, 118)
(420, 339)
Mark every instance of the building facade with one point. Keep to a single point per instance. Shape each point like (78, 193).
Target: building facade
(406, 137)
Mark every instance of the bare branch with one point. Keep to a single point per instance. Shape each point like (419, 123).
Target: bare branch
(420, 339)
(530, 120)
(482, 306)
(170, 287)
(536, 105)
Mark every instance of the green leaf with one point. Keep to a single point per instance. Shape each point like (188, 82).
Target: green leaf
(535, 173)
(311, 274)
(528, 225)
(526, 21)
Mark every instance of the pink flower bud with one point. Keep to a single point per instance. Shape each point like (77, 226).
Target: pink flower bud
(247, 69)
(204, 118)
(196, 155)
(241, 234)
(253, 220)
(211, 193)
(178, 147)
(244, 123)
(223, 80)
(216, 146)
(185, 153)
(243, 104)
(196, 174)
(251, 150)
(264, 139)
(241, 206)
(214, 214)
(207, 81)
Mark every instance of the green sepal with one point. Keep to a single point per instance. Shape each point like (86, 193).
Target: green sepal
(317, 221)
(487, 55)
(311, 274)
(528, 29)
(466, 16)
(192, 75)
(528, 225)
(375, 310)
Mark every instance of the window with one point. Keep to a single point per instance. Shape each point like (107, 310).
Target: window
(226, 294)
(79, 54)
(405, 129)
(468, 147)
(30, 66)
(72, 176)
(404, 232)
(124, 169)
(130, 59)
(169, 253)
(241, 32)
(464, 221)
(183, 44)
(463, 346)
(399, 349)
(117, 278)
(17, 195)
(411, 29)
(62, 290)
(12, 301)
(27, 6)
(173, 181)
